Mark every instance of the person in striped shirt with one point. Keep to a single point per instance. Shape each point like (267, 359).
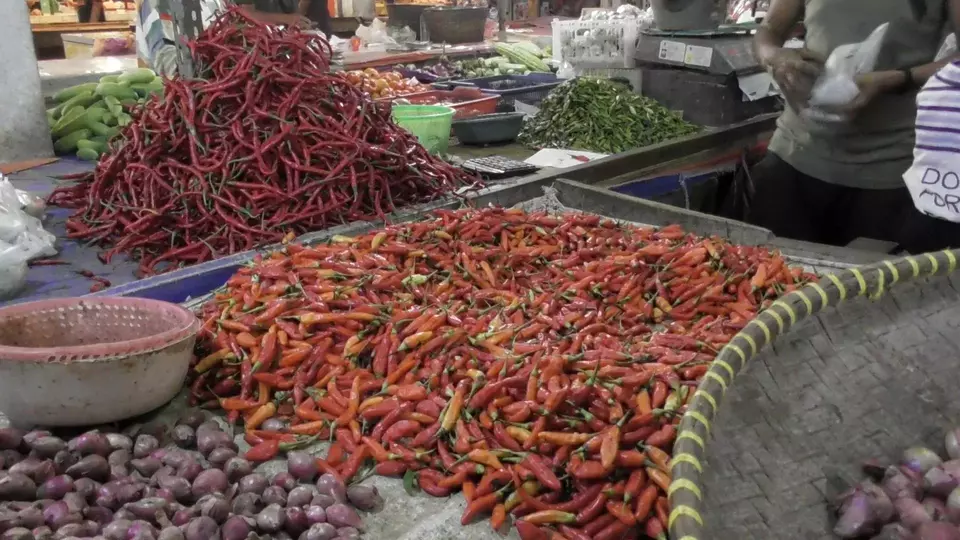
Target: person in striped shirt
(933, 179)
(154, 25)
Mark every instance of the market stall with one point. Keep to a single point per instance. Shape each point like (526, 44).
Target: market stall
(386, 341)
(512, 76)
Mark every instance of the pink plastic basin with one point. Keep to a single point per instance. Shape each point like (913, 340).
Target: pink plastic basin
(83, 361)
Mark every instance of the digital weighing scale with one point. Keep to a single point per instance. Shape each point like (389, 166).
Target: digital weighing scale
(710, 75)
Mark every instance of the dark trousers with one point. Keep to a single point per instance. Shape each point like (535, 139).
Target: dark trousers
(798, 206)
(801, 207)
(921, 233)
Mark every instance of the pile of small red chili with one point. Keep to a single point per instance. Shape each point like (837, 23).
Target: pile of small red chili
(538, 363)
(264, 143)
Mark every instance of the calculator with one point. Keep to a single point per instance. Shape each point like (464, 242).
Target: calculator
(498, 167)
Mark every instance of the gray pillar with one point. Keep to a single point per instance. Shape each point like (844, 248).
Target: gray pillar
(24, 133)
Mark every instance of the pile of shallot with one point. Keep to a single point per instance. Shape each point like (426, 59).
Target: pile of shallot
(128, 486)
(915, 499)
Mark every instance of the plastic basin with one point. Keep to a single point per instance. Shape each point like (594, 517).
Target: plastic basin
(430, 124)
(465, 101)
(489, 128)
(531, 88)
(84, 361)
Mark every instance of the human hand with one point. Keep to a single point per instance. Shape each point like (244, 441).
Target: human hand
(872, 85)
(795, 71)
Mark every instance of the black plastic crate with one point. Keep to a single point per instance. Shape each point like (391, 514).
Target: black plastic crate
(530, 88)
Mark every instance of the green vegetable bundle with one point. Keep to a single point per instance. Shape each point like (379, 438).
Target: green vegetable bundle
(89, 114)
(601, 115)
(526, 54)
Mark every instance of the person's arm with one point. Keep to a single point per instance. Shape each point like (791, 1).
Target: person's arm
(912, 78)
(96, 11)
(780, 20)
(920, 74)
(285, 19)
(794, 70)
(154, 46)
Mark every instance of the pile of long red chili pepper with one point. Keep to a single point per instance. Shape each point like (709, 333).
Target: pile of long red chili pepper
(265, 142)
(538, 363)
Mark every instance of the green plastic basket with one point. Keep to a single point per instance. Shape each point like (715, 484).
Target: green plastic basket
(430, 124)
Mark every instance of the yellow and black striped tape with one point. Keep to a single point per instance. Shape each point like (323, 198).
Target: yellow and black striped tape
(690, 451)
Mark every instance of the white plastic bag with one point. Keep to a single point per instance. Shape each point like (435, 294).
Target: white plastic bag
(645, 19)
(21, 238)
(377, 32)
(948, 48)
(31, 204)
(836, 86)
(566, 71)
(17, 228)
(13, 270)
(934, 183)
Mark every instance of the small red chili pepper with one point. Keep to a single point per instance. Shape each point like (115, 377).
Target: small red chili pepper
(621, 511)
(390, 468)
(530, 531)
(265, 451)
(479, 505)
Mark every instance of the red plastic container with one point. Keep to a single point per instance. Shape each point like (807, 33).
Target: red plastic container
(466, 102)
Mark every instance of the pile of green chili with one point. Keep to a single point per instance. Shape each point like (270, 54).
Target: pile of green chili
(601, 115)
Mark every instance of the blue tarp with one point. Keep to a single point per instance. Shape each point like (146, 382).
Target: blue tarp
(178, 286)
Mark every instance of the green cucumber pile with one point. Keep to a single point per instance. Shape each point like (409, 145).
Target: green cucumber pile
(88, 115)
(514, 59)
(524, 53)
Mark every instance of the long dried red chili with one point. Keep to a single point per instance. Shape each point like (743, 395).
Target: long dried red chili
(266, 142)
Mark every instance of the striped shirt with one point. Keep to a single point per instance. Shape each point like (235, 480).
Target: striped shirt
(934, 177)
(938, 111)
(155, 38)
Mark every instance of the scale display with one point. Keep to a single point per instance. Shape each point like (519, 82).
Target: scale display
(720, 52)
(710, 75)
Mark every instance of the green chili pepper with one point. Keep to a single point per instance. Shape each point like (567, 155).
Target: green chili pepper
(601, 115)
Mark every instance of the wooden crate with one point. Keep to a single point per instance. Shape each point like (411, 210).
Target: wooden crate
(58, 18)
(119, 16)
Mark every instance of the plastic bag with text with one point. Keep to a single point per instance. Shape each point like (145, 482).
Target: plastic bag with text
(934, 176)
(22, 238)
(934, 183)
(836, 86)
